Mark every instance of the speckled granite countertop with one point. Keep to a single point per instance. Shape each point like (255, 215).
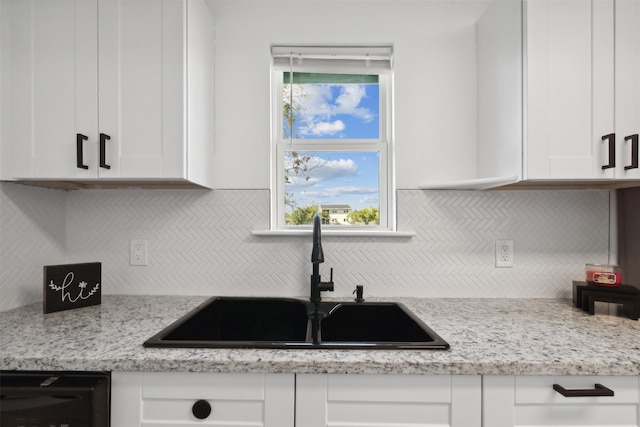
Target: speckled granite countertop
(487, 336)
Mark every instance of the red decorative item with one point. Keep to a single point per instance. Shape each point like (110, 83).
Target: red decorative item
(603, 274)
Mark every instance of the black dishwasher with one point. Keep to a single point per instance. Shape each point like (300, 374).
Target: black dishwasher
(54, 399)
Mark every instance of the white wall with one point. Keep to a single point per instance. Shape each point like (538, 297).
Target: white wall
(434, 67)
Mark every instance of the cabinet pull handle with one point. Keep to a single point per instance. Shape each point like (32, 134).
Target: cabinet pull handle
(598, 390)
(79, 157)
(201, 409)
(103, 150)
(612, 150)
(634, 151)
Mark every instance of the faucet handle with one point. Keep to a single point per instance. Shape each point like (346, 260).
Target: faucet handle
(327, 286)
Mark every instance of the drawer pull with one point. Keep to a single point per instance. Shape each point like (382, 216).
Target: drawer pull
(598, 390)
(103, 150)
(201, 409)
(634, 151)
(80, 138)
(611, 138)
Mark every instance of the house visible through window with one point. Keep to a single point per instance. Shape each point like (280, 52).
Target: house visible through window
(331, 137)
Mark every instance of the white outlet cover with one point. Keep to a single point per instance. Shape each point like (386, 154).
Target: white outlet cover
(504, 253)
(138, 252)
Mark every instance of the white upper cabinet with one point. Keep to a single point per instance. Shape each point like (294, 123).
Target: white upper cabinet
(559, 97)
(100, 90)
(627, 90)
(582, 89)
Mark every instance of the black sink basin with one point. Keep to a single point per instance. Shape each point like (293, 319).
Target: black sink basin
(384, 324)
(241, 322)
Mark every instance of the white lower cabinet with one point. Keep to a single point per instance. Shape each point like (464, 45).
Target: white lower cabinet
(154, 399)
(533, 401)
(388, 400)
(151, 399)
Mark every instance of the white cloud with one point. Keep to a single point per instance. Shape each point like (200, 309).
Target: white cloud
(348, 101)
(324, 128)
(316, 107)
(336, 192)
(352, 190)
(320, 170)
(369, 201)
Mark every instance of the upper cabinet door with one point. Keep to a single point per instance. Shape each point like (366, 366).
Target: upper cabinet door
(559, 92)
(627, 79)
(100, 89)
(583, 88)
(50, 77)
(142, 93)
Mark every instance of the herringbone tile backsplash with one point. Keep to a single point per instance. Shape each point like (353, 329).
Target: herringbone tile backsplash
(200, 242)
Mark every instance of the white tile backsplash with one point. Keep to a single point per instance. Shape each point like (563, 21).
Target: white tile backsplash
(200, 243)
(32, 235)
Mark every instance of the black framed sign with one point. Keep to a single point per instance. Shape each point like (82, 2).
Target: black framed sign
(71, 286)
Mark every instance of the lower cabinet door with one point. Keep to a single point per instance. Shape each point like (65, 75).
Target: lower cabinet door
(151, 399)
(335, 400)
(561, 401)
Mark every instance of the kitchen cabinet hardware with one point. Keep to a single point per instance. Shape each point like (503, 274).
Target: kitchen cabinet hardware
(598, 390)
(103, 148)
(612, 150)
(201, 409)
(634, 151)
(79, 155)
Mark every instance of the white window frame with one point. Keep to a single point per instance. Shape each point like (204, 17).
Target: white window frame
(384, 145)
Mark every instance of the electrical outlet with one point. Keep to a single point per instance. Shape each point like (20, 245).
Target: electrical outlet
(504, 253)
(138, 252)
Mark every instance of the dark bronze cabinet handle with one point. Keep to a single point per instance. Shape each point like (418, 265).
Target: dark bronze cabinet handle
(79, 156)
(634, 151)
(103, 151)
(598, 390)
(612, 150)
(201, 409)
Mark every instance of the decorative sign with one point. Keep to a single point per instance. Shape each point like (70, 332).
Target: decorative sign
(72, 286)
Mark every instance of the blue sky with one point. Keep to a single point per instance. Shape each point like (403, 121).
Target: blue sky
(335, 112)
(338, 178)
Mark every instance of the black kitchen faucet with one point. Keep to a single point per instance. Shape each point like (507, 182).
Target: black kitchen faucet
(317, 257)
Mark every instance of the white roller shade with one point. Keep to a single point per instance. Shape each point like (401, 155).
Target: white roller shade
(334, 59)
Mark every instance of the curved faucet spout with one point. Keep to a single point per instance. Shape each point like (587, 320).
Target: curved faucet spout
(317, 256)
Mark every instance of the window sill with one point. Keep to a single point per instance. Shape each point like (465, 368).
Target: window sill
(339, 233)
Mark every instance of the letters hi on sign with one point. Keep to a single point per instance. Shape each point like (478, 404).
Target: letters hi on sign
(72, 286)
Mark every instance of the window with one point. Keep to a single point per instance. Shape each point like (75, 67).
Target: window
(331, 137)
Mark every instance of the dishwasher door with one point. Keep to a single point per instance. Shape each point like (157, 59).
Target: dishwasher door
(60, 399)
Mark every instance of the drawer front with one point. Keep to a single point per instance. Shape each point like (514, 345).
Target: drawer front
(510, 401)
(196, 385)
(539, 389)
(164, 412)
(389, 388)
(168, 399)
(364, 400)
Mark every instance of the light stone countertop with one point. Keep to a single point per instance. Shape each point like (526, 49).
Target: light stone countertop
(487, 336)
